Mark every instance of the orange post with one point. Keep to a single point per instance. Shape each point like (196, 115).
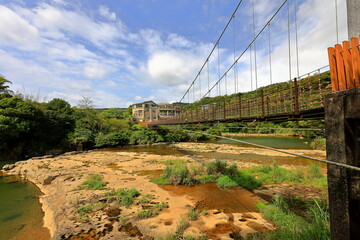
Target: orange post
(333, 71)
(340, 67)
(349, 75)
(355, 55)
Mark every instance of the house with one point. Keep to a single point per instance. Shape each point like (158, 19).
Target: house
(150, 111)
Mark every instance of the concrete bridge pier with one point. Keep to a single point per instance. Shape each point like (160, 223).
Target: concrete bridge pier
(342, 115)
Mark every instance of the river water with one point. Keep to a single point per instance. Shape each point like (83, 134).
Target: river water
(21, 216)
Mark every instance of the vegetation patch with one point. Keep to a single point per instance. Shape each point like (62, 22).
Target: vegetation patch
(271, 174)
(94, 182)
(216, 171)
(313, 225)
(144, 214)
(124, 196)
(193, 214)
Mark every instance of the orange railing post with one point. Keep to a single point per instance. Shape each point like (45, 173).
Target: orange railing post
(344, 61)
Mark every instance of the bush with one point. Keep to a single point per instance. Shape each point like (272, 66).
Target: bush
(214, 131)
(247, 181)
(94, 182)
(177, 174)
(216, 167)
(142, 135)
(177, 136)
(112, 139)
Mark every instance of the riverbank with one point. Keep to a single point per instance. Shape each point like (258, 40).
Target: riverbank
(60, 179)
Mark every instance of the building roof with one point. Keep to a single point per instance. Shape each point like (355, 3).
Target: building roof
(144, 102)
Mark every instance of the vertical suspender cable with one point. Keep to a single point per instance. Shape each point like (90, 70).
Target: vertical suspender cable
(218, 45)
(337, 22)
(288, 5)
(200, 85)
(208, 72)
(270, 52)
(251, 75)
(235, 77)
(296, 40)
(253, 10)
(225, 85)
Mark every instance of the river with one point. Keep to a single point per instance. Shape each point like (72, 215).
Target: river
(21, 216)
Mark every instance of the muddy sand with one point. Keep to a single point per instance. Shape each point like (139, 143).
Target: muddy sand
(223, 214)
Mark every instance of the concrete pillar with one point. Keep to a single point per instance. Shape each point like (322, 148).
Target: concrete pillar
(353, 18)
(342, 125)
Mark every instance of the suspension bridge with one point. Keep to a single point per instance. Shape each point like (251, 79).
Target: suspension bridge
(247, 87)
(331, 92)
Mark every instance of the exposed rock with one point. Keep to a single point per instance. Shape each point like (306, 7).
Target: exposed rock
(8, 167)
(49, 179)
(113, 212)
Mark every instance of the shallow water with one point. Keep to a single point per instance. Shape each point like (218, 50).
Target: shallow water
(270, 141)
(21, 216)
(209, 196)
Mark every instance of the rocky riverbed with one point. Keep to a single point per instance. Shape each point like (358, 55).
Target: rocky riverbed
(60, 179)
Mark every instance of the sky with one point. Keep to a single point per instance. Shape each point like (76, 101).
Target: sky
(127, 51)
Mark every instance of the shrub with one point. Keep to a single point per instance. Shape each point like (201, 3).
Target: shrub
(112, 139)
(177, 174)
(214, 131)
(142, 135)
(225, 181)
(177, 136)
(247, 181)
(94, 182)
(216, 167)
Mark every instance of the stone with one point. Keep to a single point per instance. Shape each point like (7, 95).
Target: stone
(8, 167)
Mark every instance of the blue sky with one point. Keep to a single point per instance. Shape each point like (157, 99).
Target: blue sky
(126, 51)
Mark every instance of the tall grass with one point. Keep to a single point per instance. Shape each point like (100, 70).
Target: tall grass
(315, 225)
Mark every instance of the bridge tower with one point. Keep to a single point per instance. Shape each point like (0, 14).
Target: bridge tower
(353, 18)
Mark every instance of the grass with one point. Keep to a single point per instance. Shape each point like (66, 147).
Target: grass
(173, 162)
(94, 182)
(225, 181)
(84, 210)
(124, 196)
(272, 174)
(161, 206)
(314, 225)
(144, 214)
(193, 214)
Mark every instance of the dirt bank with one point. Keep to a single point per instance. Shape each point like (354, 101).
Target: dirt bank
(59, 179)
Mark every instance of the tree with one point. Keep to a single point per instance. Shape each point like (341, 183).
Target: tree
(3, 87)
(86, 103)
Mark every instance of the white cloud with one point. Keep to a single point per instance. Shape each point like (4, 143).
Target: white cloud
(16, 31)
(105, 12)
(95, 71)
